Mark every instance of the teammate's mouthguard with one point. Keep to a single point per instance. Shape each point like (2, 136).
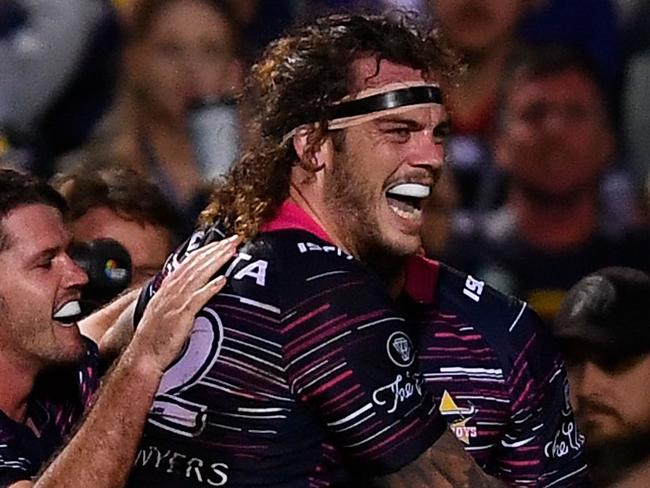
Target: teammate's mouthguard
(68, 313)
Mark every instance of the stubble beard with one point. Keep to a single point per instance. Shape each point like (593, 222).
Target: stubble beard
(613, 458)
(350, 203)
(26, 333)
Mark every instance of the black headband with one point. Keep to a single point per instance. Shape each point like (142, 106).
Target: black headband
(385, 101)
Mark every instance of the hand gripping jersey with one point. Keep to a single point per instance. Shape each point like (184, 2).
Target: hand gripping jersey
(497, 378)
(56, 404)
(302, 372)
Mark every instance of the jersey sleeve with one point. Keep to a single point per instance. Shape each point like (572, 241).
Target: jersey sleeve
(13, 467)
(351, 358)
(198, 239)
(542, 444)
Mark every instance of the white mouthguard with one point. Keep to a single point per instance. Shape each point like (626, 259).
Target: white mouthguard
(68, 312)
(413, 190)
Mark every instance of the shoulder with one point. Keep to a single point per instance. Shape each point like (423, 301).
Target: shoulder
(292, 266)
(506, 323)
(477, 301)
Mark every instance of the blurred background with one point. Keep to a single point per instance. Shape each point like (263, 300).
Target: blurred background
(548, 169)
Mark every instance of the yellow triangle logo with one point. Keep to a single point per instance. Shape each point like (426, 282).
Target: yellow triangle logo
(447, 404)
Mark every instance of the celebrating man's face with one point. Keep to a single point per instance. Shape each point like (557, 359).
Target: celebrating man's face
(384, 168)
(39, 288)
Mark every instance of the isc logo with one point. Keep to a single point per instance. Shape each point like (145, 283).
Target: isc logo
(473, 288)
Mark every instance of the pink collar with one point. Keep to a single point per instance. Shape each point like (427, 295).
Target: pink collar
(291, 216)
(421, 273)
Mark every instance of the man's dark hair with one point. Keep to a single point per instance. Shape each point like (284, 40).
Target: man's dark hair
(296, 82)
(18, 189)
(122, 190)
(535, 61)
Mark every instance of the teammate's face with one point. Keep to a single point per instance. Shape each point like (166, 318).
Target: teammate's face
(186, 54)
(555, 138)
(148, 245)
(475, 26)
(611, 403)
(37, 282)
(373, 159)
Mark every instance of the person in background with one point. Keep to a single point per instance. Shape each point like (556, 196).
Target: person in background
(50, 368)
(120, 204)
(603, 329)
(47, 50)
(178, 52)
(555, 144)
(484, 32)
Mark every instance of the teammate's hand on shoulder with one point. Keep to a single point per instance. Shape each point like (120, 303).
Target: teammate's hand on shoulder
(169, 316)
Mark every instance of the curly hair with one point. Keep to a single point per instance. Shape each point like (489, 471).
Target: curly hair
(296, 82)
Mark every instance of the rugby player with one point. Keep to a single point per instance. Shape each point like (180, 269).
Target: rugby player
(49, 369)
(304, 371)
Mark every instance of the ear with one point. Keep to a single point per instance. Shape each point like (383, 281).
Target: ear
(314, 151)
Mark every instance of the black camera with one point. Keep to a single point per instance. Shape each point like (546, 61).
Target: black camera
(108, 266)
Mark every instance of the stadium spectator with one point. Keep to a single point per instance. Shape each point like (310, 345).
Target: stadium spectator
(485, 33)
(178, 52)
(555, 143)
(603, 328)
(49, 367)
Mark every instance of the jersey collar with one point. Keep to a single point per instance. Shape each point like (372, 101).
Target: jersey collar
(421, 273)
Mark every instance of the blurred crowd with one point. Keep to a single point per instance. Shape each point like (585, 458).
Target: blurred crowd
(131, 109)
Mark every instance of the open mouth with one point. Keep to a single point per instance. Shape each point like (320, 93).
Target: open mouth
(405, 199)
(68, 313)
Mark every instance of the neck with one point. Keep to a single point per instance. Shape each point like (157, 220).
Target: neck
(16, 383)
(555, 225)
(392, 272)
(299, 198)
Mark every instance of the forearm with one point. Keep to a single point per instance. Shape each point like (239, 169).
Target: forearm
(99, 322)
(102, 452)
(444, 465)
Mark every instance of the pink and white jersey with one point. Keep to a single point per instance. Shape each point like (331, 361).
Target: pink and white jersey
(302, 372)
(497, 378)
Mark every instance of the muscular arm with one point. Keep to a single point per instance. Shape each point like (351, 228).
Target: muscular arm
(101, 453)
(444, 465)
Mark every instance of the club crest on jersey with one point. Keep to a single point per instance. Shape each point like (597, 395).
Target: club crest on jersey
(459, 427)
(400, 349)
